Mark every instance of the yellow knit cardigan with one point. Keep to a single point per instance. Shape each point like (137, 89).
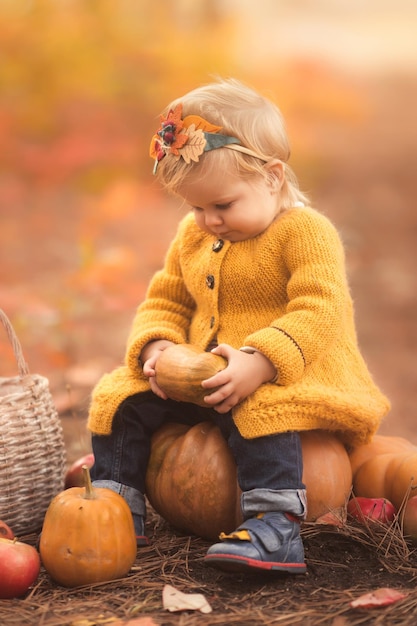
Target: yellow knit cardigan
(284, 293)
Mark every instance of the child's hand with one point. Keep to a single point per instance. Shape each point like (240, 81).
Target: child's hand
(148, 358)
(242, 376)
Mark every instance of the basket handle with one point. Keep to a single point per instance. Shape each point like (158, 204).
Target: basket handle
(17, 348)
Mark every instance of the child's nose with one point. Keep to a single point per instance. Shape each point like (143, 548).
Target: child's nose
(213, 219)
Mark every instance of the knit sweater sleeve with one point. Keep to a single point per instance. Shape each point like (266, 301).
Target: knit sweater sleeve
(167, 309)
(318, 296)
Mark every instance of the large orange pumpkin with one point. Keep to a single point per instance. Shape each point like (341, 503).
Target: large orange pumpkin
(191, 478)
(390, 476)
(181, 368)
(380, 444)
(87, 536)
(385, 468)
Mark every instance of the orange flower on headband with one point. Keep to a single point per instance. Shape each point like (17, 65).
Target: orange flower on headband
(169, 136)
(187, 138)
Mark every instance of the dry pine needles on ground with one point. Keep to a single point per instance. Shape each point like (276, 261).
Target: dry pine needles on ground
(343, 563)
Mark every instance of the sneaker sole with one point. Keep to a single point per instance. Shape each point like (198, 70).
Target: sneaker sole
(232, 563)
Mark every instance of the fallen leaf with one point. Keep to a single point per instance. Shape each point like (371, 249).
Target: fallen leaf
(175, 600)
(380, 597)
(337, 517)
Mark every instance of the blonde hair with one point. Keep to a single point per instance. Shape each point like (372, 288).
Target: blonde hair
(242, 113)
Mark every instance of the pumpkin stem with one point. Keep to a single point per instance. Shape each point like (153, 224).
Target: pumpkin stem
(89, 490)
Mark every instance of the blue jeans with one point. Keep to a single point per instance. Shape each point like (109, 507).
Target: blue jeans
(269, 468)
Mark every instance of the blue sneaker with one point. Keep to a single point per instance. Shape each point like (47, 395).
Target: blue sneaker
(267, 542)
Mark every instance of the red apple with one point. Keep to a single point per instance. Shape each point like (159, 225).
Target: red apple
(19, 565)
(74, 475)
(5, 531)
(371, 510)
(410, 519)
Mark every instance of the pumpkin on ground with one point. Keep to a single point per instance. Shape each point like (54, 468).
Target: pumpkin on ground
(181, 368)
(327, 473)
(88, 536)
(191, 478)
(379, 444)
(385, 468)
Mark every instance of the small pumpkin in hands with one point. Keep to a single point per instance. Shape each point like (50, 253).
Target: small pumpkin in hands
(88, 536)
(181, 368)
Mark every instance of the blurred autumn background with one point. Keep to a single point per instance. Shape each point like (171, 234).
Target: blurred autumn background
(83, 224)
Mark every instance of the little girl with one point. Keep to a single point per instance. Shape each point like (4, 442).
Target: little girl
(255, 276)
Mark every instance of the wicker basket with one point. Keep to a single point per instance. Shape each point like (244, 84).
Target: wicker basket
(32, 450)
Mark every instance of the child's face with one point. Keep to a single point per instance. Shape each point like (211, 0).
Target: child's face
(231, 207)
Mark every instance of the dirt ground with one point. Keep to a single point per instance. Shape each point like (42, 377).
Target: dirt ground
(343, 564)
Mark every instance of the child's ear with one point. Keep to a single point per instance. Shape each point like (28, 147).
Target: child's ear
(274, 171)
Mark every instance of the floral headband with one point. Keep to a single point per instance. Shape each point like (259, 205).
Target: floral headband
(188, 138)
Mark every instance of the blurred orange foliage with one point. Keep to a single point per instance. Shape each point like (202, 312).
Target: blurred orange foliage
(83, 83)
